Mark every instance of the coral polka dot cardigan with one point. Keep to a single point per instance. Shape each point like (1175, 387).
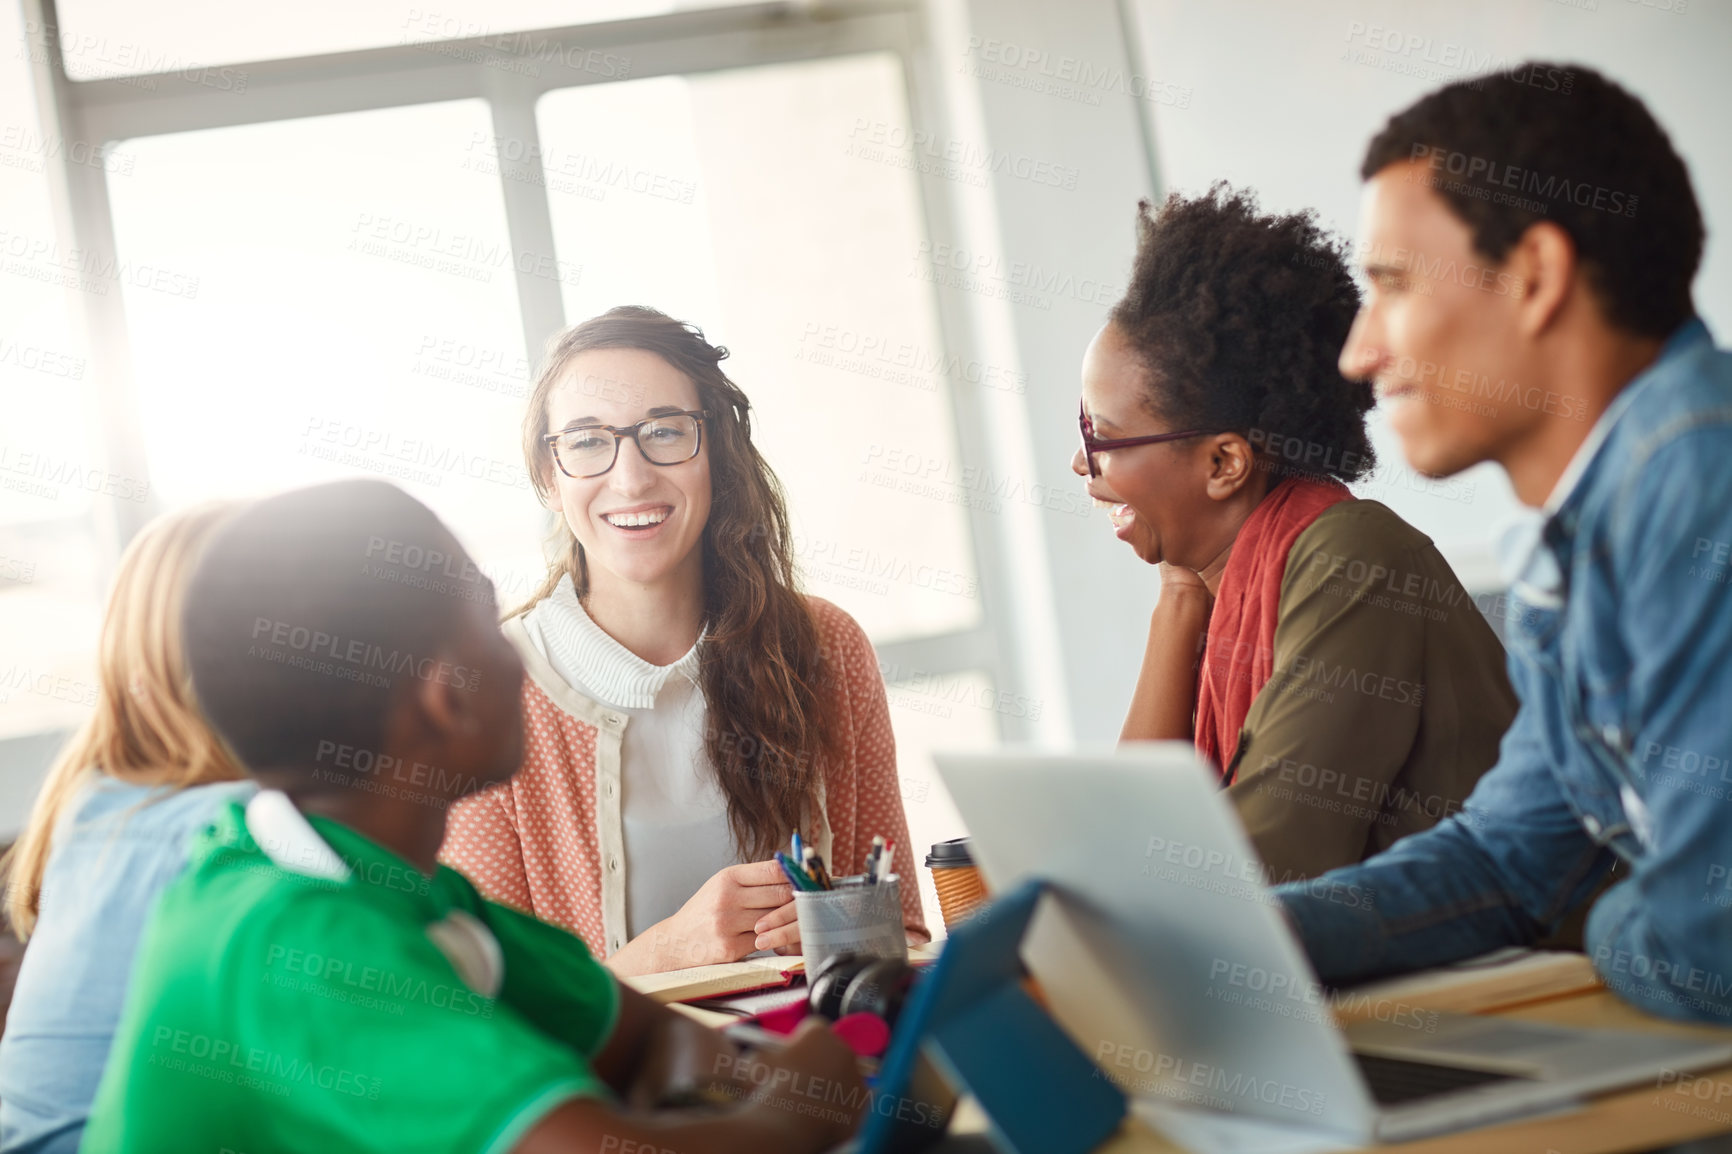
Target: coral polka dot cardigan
(550, 840)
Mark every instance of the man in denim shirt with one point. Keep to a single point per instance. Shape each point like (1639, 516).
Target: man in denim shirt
(1530, 239)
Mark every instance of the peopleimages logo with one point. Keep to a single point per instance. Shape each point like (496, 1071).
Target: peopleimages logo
(43, 475)
(930, 475)
(136, 65)
(1063, 76)
(1549, 188)
(224, 1060)
(42, 259)
(1173, 1077)
(324, 974)
(880, 355)
(520, 52)
(994, 268)
(304, 645)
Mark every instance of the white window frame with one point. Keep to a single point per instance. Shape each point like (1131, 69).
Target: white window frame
(110, 110)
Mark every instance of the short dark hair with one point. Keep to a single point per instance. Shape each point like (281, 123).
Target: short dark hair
(1546, 141)
(311, 612)
(1239, 320)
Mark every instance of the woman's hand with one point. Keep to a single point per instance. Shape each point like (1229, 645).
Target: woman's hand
(1181, 582)
(779, 930)
(719, 923)
(1162, 703)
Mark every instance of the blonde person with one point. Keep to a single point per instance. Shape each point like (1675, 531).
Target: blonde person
(109, 831)
(687, 708)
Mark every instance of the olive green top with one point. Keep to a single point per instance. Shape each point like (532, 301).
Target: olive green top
(1387, 702)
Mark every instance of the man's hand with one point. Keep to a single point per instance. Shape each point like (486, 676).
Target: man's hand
(816, 1077)
(801, 1099)
(685, 1064)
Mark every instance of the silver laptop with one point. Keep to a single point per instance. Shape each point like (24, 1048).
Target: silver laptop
(1167, 959)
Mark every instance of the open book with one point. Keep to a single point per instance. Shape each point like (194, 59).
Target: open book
(697, 982)
(1491, 982)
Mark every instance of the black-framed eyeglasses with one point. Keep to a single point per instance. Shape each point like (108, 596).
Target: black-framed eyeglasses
(1093, 444)
(591, 450)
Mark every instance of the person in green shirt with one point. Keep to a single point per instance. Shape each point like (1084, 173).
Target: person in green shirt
(315, 981)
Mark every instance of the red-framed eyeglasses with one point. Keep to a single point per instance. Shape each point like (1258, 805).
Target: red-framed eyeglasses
(1093, 444)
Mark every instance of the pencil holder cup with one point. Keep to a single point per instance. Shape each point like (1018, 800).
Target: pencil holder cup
(853, 918)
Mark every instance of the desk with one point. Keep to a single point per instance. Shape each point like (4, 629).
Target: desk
(1639, 1119)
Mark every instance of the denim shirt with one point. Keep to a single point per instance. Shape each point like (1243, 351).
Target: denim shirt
(1620, 649)
(117, 849)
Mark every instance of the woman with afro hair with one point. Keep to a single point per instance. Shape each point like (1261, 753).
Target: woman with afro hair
(1317, 648)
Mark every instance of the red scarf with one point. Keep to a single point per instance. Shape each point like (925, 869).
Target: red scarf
(1240, 654)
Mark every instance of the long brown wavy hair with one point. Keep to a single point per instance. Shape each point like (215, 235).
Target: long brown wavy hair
(770, 721)
(147, 728)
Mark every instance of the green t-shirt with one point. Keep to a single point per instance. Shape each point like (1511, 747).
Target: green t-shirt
(322, 994)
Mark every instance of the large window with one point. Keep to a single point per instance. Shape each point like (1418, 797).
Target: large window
(316, 282)
(348, 306)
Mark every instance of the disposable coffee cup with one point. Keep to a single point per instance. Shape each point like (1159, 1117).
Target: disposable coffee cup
(853, 918)
(957, 879)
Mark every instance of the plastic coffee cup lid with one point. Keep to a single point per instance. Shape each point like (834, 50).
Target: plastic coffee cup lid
(950, 854)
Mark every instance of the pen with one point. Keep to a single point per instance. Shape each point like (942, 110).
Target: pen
(872, 857)
(796, 876)
(754, 1037)
(815, 867)
(884, 861)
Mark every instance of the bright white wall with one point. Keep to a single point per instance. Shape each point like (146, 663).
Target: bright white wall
(1034, 266)
(1286, 96)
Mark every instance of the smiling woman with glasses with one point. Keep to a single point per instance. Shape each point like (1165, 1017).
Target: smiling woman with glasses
(1316, 648)
(687, 708)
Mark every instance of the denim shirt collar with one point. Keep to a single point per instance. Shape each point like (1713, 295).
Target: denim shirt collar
(1569, 491)
(1535, 574)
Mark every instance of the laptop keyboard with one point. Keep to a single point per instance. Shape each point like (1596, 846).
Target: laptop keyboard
(1394, 1081)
